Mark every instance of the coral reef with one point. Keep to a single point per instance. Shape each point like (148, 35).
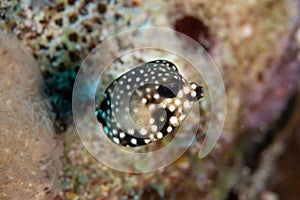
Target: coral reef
(29, 154)
(250, 61)
(62, 35)
(256, 47)
(244, 49)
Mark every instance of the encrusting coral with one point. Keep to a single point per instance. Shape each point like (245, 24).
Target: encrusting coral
(61, 34)
(29, 151)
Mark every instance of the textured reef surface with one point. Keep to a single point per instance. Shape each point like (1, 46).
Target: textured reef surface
(255, 45)
(29, 155)
(61, 34)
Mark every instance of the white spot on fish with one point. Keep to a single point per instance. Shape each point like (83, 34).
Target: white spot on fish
(174, 121)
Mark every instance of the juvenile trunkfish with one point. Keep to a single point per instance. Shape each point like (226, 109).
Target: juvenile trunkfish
(159, 98)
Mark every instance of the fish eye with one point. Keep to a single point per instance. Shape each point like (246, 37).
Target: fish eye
(169, 91)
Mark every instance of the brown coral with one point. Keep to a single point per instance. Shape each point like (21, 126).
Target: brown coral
(28, 154)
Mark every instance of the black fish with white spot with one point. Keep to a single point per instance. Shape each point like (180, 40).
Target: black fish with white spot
(146, 103)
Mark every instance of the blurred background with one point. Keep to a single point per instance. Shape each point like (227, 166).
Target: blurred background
(255, 45)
